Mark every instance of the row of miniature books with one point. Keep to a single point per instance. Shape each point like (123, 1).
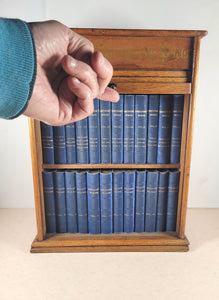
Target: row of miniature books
(137, 129)
(110, 201)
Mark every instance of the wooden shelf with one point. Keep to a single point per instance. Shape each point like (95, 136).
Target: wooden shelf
(111, 166)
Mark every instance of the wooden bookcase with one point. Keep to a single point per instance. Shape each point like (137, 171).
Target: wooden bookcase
(145, 62)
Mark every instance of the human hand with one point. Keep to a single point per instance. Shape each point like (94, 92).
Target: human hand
(69, 75)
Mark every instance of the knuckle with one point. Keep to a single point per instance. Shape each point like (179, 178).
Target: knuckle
(88, 95)
(90, 110)
(90, 74)
(90, 46)
(110, 70)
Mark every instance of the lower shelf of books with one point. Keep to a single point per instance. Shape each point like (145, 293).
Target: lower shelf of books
(112, 201)
(123, 242)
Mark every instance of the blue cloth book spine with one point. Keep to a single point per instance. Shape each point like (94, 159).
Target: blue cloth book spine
(129, 200)
(153, 109)
(94, 134)
(71, 202)
(178, 102)
(164, 129)
(105, 134)
(129, 129)
(118, 201)
(59, 144)
(82, 141)
(162, 200)
(81, 192)
(141, 107)
(93, 198)
(70, 143)
(49, 201)
(151, 201)
(59, 184)
(47, 143)
(117, 131)
(172, 200)
(140, 200)
(106, 202)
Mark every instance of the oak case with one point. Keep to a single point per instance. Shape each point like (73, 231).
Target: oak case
(145, 62)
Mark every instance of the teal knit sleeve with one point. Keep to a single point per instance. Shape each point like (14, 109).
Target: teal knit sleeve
(17, 67)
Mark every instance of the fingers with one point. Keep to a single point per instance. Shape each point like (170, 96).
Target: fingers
(104, 71)
(84, 96)
(85, 83)
(83, 72)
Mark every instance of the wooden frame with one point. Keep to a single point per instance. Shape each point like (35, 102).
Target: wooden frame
(170, 70)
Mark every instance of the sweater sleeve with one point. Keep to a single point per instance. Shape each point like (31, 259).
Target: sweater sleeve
(17, 67)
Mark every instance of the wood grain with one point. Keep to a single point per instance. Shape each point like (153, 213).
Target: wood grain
(157, 53)
(196, 54)
(113, 242)
(182, 157)
(151, 87)
(140, 32)
(35, 145)
(152, 73)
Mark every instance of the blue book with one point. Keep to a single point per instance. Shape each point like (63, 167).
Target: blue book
(162, 200)
(59, 185)
(140, 200)
(71, 202)
(106, 202)
(105, 132)
(118, 201)
(49, 201)
(70, 143)
(59, 144)
(151, 201)
(93, 199)
(94, 134)
(153, 109)
(178, 102)
(47, 143)
(172, 200)
(82, 141)
(129, 129)
(141, 122)
(129, 200)
(117, 131)
(164, 129)
(81, 192)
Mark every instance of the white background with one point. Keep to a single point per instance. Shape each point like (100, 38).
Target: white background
(16, 188)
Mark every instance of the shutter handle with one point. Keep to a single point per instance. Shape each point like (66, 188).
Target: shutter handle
(112, 86)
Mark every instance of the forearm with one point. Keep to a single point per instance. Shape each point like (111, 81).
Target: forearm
(17, 67)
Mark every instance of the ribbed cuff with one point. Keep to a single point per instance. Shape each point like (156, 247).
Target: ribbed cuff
(17, 67)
